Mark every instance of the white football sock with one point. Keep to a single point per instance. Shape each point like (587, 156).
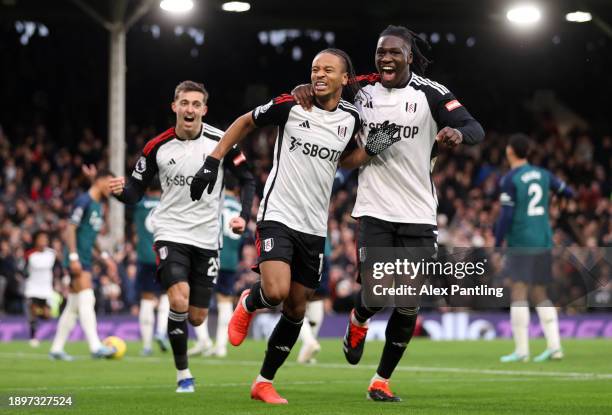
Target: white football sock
(315, 312)
(519, 319)
(225, 310)
(376, 378)
(87, 318)
(183, 374)
(306, 332)
(65, 323)
(550, 324)
(201, 332)
(163, 309)
(146, 318)
(262, 379)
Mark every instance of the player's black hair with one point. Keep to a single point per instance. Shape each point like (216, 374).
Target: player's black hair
(520, 143)
(37, 234)
(103, 173)
(351, 90)
(419, 61)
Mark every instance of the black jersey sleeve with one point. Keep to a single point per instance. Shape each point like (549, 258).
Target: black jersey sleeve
(144, 170)
(447, 111)
(275, 112)
(236, 162)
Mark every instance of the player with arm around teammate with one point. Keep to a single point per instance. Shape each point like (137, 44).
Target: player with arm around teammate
(396, 202)
(292, 217)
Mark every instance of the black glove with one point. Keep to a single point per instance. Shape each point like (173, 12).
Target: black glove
(381, 138)
(205, 178)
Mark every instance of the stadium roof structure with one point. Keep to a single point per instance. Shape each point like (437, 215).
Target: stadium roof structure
(269, 14)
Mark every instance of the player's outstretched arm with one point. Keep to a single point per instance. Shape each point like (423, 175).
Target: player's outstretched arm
(378, 140)
(206, 177)
(353, 159)
(234, 134)
(129, 193)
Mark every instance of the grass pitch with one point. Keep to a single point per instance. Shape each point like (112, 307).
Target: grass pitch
(433, 378)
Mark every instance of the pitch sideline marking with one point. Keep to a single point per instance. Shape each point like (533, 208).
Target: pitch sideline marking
(572, 375)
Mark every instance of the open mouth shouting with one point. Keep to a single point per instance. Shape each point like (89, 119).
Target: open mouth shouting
(320, 86)
(387, 73)
(189, 119)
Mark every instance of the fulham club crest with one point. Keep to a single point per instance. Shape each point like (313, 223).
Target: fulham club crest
(411, 107)
(163, 252)
(268, 244)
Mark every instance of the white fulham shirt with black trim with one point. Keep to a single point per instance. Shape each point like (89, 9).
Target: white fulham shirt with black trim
(306, 154)
(178, 218)
(396, 186)
(39, 283)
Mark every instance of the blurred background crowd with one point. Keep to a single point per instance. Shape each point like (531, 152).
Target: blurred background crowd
(39, 179)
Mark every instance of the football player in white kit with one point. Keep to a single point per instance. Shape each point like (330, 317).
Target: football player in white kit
(40, 261)
(186, 233)
(396, 200)
(292, 218)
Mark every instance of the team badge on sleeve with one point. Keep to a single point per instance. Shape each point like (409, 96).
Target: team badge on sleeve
(268, 244)
(141, 165)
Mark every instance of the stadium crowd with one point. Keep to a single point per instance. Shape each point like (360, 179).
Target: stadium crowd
(40, 178)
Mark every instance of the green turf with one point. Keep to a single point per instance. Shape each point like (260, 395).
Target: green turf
(434, 378)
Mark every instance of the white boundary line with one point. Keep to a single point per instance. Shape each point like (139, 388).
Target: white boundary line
(414, 369)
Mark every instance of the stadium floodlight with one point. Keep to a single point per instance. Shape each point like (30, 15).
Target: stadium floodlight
(524, 15)
(176, 6)
(236, 6)
(578, 17)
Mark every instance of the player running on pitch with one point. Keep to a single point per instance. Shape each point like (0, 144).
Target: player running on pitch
(40, 261)
(292, 218)
(524, 224)
(396, 199)
(186, 232)
(85, 222)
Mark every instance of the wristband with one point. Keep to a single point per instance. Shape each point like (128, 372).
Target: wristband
(73, 256)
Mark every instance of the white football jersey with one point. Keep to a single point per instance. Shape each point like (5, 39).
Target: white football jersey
(39, 283)
(306, 154)
(396, 185)
(178, 218)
